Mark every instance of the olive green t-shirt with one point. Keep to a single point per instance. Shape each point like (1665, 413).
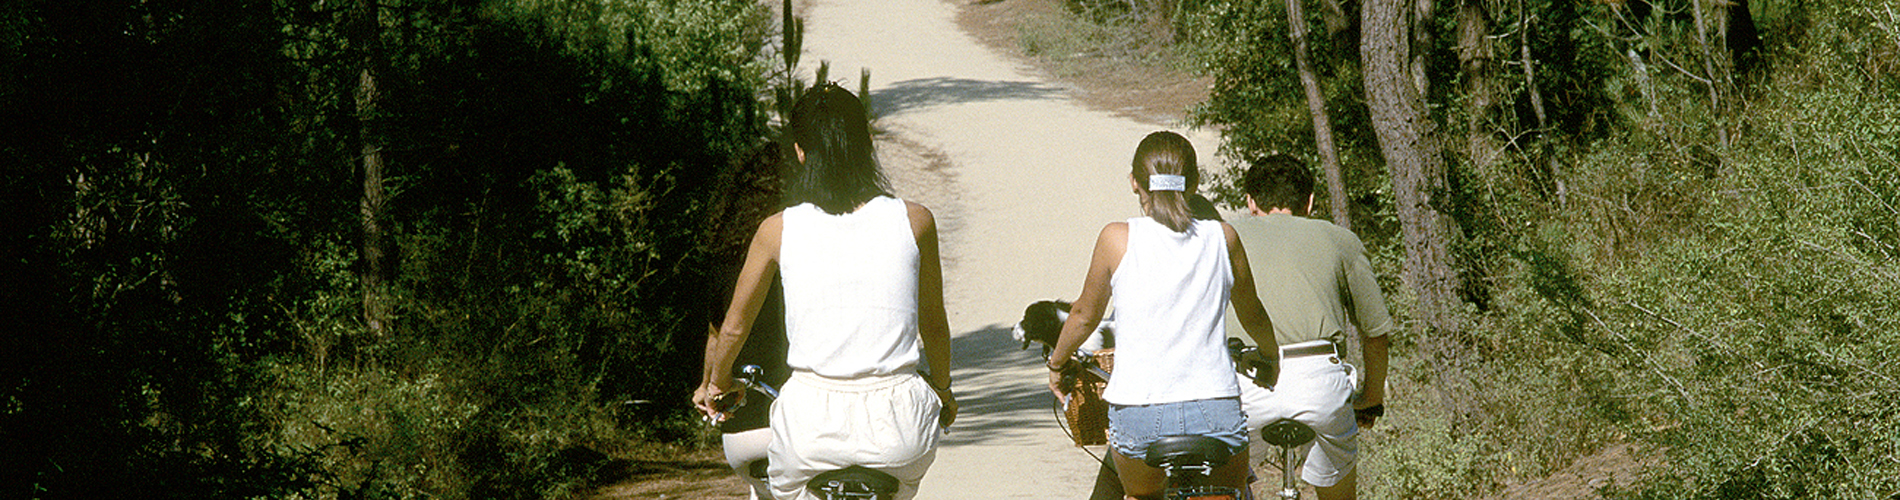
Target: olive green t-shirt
(1312, 277)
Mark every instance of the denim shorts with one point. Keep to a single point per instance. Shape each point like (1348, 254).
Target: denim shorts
(1132, 428)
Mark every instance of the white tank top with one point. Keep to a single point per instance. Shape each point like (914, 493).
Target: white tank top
(1170, 291)
(850, 290)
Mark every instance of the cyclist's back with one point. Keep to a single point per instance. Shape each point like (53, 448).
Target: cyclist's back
(1320, 275)
(1320, 280)
(863, 306)
(1171, 289)
(1169, 277)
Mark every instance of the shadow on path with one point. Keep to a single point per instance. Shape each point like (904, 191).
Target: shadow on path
(926, 92)
(1006, 398)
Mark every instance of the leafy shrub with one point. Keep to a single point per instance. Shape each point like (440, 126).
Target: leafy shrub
(1430, 460)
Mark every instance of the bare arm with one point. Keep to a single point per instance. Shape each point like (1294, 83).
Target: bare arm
(1086, 312)
(748, 296)
(1374, 323)
(1375, 351)
(1244, 296)
(933, 323)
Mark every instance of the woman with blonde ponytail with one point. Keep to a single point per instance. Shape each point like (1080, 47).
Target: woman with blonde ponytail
(1170, 277)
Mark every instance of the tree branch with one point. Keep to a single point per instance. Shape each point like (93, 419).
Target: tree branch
(1653, 365)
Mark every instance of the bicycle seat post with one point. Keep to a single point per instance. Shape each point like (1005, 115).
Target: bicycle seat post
(1289, 485)
(1289, 435)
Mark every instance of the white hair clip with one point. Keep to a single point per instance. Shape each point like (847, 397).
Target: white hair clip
(1165, 182)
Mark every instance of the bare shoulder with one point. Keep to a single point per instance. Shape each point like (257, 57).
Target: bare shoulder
(770, 229)
(776, 221)
(921, 219)
(918, 211)
(766, 240)
(1114, 236)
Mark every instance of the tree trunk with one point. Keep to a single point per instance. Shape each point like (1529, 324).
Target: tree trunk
(1322, 124)
(1419, 30)
(1409, 142)
(1477, 63)
(376, 274)
(1744, 41)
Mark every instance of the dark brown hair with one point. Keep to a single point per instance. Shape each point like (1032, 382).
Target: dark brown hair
(1167, 153)
(1279, 181)
(840, 171)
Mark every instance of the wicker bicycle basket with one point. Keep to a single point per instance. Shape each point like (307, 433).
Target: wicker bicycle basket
(1087, 412)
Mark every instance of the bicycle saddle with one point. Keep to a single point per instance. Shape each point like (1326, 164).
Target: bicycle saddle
(757, 468)
(1287, 433)
(854, 479)
(1187, 449)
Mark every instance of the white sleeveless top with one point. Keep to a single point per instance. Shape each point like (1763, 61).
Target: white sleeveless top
(850, 290)
(1170, 292)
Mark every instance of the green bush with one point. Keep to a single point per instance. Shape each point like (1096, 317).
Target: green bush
(553, 265)
(189, 207)
(1708, 277)
(1418, 454)
(1776, 316)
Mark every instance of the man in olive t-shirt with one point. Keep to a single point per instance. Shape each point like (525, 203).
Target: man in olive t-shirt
(1313, 277)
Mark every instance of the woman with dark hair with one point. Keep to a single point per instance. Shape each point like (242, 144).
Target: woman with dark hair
(1170, 277)
(863, 292)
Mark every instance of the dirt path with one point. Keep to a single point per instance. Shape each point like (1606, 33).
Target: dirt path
(1022, 177)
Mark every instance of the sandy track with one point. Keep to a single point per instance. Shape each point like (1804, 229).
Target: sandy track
(1021, 177)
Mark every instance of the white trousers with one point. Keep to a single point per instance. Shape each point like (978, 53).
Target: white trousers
(1316, 391)
(741, 449)
(887, 423)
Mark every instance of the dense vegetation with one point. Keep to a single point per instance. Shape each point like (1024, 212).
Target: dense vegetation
(453, 248)
(363, 249)
(1676, 228)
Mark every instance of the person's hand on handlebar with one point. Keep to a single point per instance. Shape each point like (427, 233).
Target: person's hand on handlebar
(1057, 375)
(949, 412)
(713, 401)
(1368, 409)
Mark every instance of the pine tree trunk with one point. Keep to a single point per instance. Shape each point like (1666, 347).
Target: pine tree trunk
(1409, 141)
(1418, 28)
(1322, 124)
(364, 33)
(1476, 61)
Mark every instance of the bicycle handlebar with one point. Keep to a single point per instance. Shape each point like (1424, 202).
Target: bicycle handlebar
(751, 378)
(1250, 363)
(1087, 361)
